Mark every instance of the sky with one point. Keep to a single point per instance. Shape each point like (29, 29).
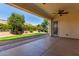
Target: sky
(6, 11)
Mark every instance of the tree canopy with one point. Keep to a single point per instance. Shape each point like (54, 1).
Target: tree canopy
(43, 26)
(4, 27)
(16, 22)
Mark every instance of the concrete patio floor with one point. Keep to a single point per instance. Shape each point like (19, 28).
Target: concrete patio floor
(44, 46)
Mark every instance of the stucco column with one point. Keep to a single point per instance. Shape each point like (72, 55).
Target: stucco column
(50, 28)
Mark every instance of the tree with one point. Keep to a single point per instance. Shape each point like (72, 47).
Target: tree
(16, 22)
(4, 27)
(45, 25)
(39, 28)
(30, 27)
(26, 27)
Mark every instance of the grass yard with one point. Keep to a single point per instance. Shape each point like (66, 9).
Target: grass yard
(20, 36)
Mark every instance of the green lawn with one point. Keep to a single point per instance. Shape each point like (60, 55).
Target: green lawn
(20, 36)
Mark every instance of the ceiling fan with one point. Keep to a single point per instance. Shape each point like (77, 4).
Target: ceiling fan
(61, 12)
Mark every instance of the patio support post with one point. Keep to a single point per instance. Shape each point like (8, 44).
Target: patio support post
(50, 27)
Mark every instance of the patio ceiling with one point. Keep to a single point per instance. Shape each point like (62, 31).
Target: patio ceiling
(45, 10)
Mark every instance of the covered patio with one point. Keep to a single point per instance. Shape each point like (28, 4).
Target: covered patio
(63, 31)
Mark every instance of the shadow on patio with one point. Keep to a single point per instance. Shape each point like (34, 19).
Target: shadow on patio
(45, 45)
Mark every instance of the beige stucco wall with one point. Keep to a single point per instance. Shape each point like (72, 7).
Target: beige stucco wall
(68, 25)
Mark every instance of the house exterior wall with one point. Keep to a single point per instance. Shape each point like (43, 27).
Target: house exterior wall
(68, 25)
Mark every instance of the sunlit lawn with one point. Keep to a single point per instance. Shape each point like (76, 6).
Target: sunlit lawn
(20, 36)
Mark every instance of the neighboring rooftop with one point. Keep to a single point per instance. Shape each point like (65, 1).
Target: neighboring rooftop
(3, 21)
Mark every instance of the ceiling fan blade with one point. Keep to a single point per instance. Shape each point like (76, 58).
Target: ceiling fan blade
(60, 11)
(65, 12)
